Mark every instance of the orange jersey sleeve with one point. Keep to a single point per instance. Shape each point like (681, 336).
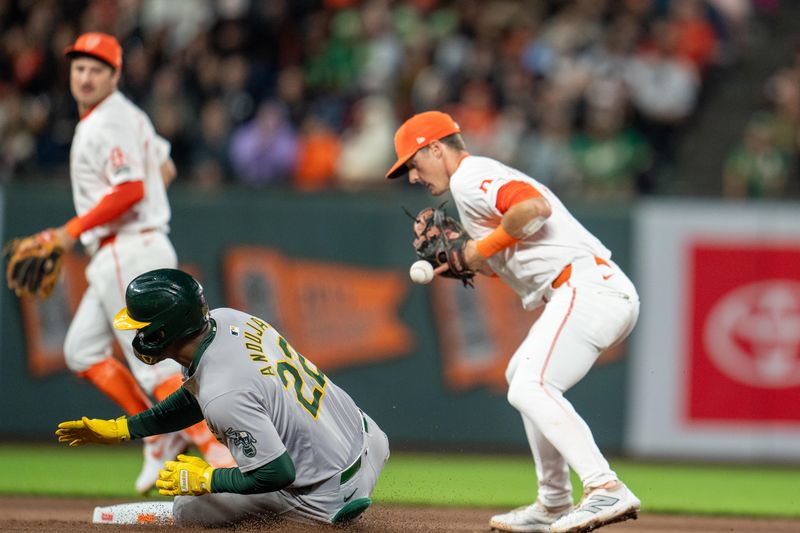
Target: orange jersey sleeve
(112, 205)
(514, 192)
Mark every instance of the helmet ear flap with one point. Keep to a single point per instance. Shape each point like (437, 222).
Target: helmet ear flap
(144, 350)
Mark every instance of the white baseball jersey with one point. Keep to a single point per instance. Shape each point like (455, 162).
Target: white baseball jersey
(115, 143)
(262, 398)
(533, 263)
(592, 310)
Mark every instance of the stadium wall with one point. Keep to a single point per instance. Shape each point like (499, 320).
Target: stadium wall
(329, 270)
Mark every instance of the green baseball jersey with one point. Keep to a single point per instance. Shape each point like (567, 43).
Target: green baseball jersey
(262, 398)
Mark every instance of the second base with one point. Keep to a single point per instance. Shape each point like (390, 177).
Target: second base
(134, 513)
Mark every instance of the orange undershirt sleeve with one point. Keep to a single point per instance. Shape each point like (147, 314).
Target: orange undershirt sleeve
(514, 192)
(116, 381)
(111, 206)
(509, 194)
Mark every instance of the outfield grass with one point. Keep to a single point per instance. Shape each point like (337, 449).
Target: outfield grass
(426, 479)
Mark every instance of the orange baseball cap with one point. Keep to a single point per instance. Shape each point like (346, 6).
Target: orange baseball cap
(417, 133)
(102, 46)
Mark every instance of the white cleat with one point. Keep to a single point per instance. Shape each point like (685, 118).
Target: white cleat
(534, 518)
(157, 449)
(599, 508)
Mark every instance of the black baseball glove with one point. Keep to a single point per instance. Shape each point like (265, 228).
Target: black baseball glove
(440, 239)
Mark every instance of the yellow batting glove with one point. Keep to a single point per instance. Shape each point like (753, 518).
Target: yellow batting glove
(186, 476)
(93, 431)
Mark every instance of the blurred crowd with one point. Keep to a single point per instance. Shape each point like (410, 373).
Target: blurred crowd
(766, 163)
(588, 96)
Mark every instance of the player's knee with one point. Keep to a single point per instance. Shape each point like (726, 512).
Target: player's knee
(524, 393)
(186, 512)
(511, 369)
(178, 509)
(208, 510)
(75, 354)
(518, 395)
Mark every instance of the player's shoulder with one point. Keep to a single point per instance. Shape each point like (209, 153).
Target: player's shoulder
(476, 173)
(116, 113)
(220, 311)
(226, 316)
(470, 169)
(478, 167)
(115, 103)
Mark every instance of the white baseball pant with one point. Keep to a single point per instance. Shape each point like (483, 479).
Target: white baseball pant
(318, 505)
(594, 310)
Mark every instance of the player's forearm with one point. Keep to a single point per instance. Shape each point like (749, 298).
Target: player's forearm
(521, 220)
(525, 218)
(273, 476)
(177, 411)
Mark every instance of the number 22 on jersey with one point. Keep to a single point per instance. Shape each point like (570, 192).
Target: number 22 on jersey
(290, 374)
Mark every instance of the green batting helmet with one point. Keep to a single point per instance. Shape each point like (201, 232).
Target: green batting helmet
(163, 306)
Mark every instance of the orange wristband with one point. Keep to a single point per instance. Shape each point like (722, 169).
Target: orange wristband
(497, 240)
(112, 205)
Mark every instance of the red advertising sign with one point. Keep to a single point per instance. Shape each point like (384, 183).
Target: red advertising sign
(744, 333)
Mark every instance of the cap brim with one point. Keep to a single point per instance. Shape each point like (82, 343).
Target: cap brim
(398, 169)
(123, 321)
(71, 52)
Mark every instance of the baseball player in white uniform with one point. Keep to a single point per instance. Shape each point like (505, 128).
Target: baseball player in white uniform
(305, 450)
(523, 233)
(119, 169)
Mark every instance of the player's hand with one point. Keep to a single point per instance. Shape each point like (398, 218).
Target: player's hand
(186, 476)
(62, 236)
(96, 431)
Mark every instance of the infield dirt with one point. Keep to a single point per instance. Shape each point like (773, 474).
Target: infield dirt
(28, 514)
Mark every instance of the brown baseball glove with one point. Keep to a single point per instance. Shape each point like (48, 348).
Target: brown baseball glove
(34, 263)
(440, 239)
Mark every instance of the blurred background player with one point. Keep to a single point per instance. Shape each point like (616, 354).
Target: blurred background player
(305, 450)
(119, 169)
(526, 236)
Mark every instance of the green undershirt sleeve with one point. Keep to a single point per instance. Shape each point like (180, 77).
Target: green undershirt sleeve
(177, 411)
(273, 476)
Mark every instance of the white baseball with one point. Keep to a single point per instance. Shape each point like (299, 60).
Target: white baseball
(421, 272)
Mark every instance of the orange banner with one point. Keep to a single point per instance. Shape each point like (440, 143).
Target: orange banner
(478, 330)
(335, 314)
(45, 323)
